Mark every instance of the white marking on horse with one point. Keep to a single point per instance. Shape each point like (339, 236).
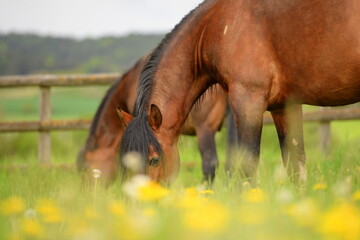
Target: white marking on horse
(225, 29)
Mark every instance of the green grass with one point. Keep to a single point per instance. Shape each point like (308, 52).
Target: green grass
(279, 211)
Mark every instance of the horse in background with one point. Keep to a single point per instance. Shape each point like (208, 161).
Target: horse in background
(101, 147)
(266, 55)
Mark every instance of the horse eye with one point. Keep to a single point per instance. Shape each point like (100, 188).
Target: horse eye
(154, 161)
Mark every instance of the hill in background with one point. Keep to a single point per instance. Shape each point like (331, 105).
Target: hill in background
(32, 54)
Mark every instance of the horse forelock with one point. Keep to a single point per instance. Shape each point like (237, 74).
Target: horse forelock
(137, 137)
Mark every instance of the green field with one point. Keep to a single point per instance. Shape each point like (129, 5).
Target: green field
(42, 203)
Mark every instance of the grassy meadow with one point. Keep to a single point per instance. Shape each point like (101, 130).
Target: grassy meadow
(43, 203)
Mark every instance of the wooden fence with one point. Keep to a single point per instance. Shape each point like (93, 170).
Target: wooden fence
(45, 124)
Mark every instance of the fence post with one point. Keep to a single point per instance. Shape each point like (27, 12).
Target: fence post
(44, 147)
(325, 134)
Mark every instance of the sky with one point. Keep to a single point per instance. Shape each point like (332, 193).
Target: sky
(92, 18)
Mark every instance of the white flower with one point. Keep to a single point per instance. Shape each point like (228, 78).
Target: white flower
(132, 160)
(131, 187)
(96, 173)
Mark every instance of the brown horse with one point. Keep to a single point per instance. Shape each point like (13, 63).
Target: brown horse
(100, 150)
(266, 55)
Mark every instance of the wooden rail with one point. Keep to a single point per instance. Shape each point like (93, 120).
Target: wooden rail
(58, 80)
(46, 124)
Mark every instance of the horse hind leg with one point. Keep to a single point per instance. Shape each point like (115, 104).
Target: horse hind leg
(207, 147)
(289, 127)
(231, 140)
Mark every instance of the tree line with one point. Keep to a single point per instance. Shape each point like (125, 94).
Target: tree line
(34, 54)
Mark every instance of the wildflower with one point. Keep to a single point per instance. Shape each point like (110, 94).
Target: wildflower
(49, 211)
(116, 208)
(320, 186)
(191, 191)
(254, 196)
(209, 217)
(12, 206)
(152, 191)
(32, 228)
(207, 192)
(142, 188)
(342, 221)
(133, 161)
(96, 173)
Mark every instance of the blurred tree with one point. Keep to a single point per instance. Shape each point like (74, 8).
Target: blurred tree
(30, 54)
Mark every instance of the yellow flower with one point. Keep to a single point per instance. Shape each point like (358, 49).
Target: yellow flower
(192, 191)
(11, 206)
(356, 196)
(49, 211)
(207, 192)
(320, 186)
(116, 208)
(152, 192)
(211, 217)
(342, 222)
(142, 188)
(254, 196)
(304, 213)
(32, 228)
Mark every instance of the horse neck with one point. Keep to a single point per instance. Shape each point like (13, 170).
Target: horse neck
(108, 127)
(179, 81)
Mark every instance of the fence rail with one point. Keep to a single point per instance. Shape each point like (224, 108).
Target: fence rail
(46, 124)
(49, 125)
(58, 80)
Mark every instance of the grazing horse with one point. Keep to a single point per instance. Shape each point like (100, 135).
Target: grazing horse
(100, 150)
(267, 55)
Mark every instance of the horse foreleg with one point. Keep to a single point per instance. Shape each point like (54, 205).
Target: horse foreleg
(289, 127)
(248, 108)
(206, 141)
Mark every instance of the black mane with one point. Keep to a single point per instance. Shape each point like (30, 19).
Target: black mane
(139, 135)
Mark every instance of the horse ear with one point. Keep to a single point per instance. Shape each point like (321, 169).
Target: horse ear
(125, 118)
(155, 118)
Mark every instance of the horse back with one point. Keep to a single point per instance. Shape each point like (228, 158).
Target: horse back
(303, 50)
